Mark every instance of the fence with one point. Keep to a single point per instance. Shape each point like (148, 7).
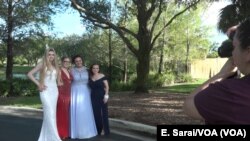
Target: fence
(206, 68)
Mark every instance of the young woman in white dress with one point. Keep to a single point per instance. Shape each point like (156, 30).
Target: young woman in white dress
(47, 85)
(81, 112)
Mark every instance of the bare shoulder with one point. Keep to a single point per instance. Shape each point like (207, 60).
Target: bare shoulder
(101, 75)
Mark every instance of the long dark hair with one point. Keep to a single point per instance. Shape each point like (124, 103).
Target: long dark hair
(91, 67)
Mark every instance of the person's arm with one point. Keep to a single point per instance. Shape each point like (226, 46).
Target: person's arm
(230, 31)
(33, 79)
(106, 88)
(59, 78)
(189, 106)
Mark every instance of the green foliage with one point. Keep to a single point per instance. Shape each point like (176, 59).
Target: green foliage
(185, 88)
(22, 69)
(30, 49)
(156, 80)
(183, 78)
(4, 85)
(121, 86)
(20, 61)
(233, 14)
(33, 101)
(21, 87)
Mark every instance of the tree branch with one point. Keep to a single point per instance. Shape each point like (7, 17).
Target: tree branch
(157, 17)
(171, 20)
(95, 19)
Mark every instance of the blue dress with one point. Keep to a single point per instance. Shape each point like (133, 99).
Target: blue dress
(81, 113)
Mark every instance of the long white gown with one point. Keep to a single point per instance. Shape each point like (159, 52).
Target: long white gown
(82, 118)
(49, 101)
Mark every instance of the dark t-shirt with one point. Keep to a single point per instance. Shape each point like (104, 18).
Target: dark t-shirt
(225, 102)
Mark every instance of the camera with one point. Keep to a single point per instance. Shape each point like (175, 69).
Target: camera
(226, 48)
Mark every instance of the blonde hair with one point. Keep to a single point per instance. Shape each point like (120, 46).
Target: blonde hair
(47, 65)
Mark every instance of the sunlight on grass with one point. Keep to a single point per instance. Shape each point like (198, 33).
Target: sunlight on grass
(16, 70)
(185, 88)
(182, 88)
(21, 69)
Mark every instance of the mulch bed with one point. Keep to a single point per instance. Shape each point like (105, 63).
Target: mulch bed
(151, 109)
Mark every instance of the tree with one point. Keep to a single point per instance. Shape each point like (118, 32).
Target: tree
(31, 49)
(20, 19)
(147, 13)
(233, 13)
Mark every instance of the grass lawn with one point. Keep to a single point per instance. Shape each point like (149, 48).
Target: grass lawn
(16, 70)
(33, 102)
(22, 69)
(181, 88)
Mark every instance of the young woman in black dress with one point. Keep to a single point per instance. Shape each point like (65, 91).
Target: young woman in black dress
(99, 96)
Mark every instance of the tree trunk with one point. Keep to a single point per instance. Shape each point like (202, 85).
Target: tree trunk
(9, 67)
(142, 67)
(125, 66)
(110, 48)
(161, 62)
(142, 73)
(110, 56)
(187, 56)
(143, 56)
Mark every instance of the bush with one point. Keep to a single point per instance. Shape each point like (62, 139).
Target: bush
(4, 85)
(121, 86)
(156, 80)
(21, 87)
(183, 78)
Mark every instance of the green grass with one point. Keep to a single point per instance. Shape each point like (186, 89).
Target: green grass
(182, 88)
(21, 69)
(16, 70)
(33, 102)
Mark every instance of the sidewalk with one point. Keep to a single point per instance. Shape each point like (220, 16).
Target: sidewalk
(126, 128)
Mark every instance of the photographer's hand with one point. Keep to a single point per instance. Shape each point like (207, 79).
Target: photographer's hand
(230, 31)
(226, 71)
(229, 69)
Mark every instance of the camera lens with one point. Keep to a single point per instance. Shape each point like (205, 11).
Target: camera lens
(226, 48)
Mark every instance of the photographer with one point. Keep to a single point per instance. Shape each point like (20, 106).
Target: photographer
(221, 100)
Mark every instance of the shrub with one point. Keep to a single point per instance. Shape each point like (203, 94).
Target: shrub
(183, 78)
(156, 80)
(121, 86)
(4, 85)
(21, 87)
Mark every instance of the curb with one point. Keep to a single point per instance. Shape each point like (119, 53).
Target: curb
(116, 123)
(133, 126)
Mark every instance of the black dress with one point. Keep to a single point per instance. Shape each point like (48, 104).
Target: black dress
(99, 108)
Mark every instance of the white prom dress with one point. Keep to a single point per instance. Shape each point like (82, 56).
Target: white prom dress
(82, 117)
(49, 102)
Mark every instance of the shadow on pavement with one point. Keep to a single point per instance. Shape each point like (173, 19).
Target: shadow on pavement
(16, 128)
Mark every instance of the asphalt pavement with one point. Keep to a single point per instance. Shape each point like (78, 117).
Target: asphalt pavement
(24, 124)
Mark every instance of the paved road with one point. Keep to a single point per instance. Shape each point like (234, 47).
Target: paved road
(14, 127)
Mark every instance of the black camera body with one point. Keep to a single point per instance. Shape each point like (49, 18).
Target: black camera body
(226, 48)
